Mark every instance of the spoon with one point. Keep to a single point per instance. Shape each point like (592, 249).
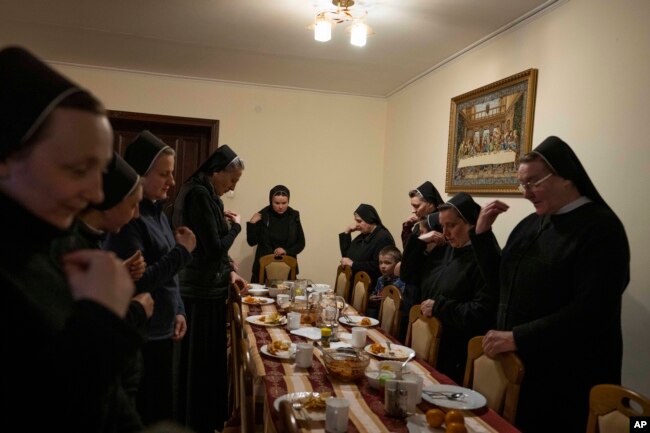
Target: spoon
(448, 396)
(390, 351)
(411, 356)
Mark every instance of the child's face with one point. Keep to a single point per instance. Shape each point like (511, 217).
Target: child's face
(387, 265)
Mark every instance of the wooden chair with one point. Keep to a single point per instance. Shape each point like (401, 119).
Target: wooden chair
(274, 267)
(236, 335)
(611, 406)
(343, 281)
(423, 335)
(247, 397)
(288, 418)
(498, 379)
(360, 291)
(389, 310)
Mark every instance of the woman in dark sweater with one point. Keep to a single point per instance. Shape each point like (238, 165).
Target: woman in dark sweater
(205, 285)
(455, 291)
(64, 339)
(276, 229)
(362, 252)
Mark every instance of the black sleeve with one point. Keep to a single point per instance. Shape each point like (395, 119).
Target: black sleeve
(488, 255)
(253, 233)
(345, 240)
(297, 247)
(412, 261)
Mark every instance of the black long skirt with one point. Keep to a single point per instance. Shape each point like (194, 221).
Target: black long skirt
(203, 382)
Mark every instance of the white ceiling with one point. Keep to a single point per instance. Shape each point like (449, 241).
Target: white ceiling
(259, 41)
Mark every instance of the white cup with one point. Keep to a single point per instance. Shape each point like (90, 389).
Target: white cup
(293, 320)
(336, 415)
(359, 337)
(282, 299)
(304, 354)
(415, 395)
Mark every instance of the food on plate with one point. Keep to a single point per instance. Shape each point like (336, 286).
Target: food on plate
(278, 346)
(377, 348)
(271, 318)
(456, 427)
(365, 321)
(454, 416)
(435, 417)
(253, 300)
(314, 402)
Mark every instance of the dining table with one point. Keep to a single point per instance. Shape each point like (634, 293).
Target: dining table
(276, 377)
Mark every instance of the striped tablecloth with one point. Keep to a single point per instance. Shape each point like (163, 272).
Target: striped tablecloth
(367, 413)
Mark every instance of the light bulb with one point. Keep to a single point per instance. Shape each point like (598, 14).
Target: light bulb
(323, 29)
(359, 34)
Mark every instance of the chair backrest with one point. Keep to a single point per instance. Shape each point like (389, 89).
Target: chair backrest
(274, 267)
(360, 291)
(498, 379)
(343, 281)
(423, 335)
(247, 396)
(389, 310)
(234, 362)
(611, 406)
(288, 418)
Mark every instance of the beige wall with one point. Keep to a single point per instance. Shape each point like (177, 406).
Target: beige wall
(593, 92)
(327, 149)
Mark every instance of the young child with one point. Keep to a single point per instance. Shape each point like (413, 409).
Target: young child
(389, 258)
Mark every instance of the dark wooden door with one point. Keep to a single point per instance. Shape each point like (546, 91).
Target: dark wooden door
(192, 139)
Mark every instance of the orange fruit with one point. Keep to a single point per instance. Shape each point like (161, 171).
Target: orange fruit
(454, 416)
(435, 417)
(456, 427)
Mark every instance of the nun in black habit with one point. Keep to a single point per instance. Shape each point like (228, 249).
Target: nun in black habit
(64, 340)
(425, 200)
(362, 252)
(205, 285)
(561, 277)
(276, 229)
(454, 290)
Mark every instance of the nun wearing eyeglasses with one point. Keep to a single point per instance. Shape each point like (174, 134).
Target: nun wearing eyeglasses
(276, 229)
(454, 290)
(362, 252)
(561, 277)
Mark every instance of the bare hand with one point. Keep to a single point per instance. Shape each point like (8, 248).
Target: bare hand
(236, 278)
(433, 237)
(346, 261)
(234, 265)
(180, 328)
(412, 219)
(135, 265)
(279, 252)
(146, 301)
(100, 277)
(488, 215)
(256, 217)
(496, 342)
(427, 307)
(185, 237)
(232, 216)
(353, 228)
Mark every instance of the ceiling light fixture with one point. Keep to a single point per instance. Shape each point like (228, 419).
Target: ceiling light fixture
(343, 13)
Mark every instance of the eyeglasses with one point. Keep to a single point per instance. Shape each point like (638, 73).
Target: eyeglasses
(523, 187)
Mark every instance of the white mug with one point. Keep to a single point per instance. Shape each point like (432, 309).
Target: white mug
(336, 415)
(293, 320)
(414, 391)
(359, 335)
(304, 354)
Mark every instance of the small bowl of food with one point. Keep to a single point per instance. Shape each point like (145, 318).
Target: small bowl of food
(257, 290)
(346, 366)
(377, 378)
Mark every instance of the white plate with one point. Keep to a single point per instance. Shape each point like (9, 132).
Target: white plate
(470, 400)
(314, 415)
(258, 292)
(284, 354)
(400, 352)
(354, 321)
(321, 288)
(256, 286)
(258, 300)
(308, 332)
(255, 320)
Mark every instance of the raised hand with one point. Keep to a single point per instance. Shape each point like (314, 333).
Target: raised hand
(232, 216)
(146, 301)
(99, 276)
(136, 265)
(185, 237)
(256, 217)
(489, 214)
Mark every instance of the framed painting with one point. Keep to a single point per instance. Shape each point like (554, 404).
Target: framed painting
(490, 129)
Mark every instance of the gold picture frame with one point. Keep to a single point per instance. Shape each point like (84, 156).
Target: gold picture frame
(490, 129)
